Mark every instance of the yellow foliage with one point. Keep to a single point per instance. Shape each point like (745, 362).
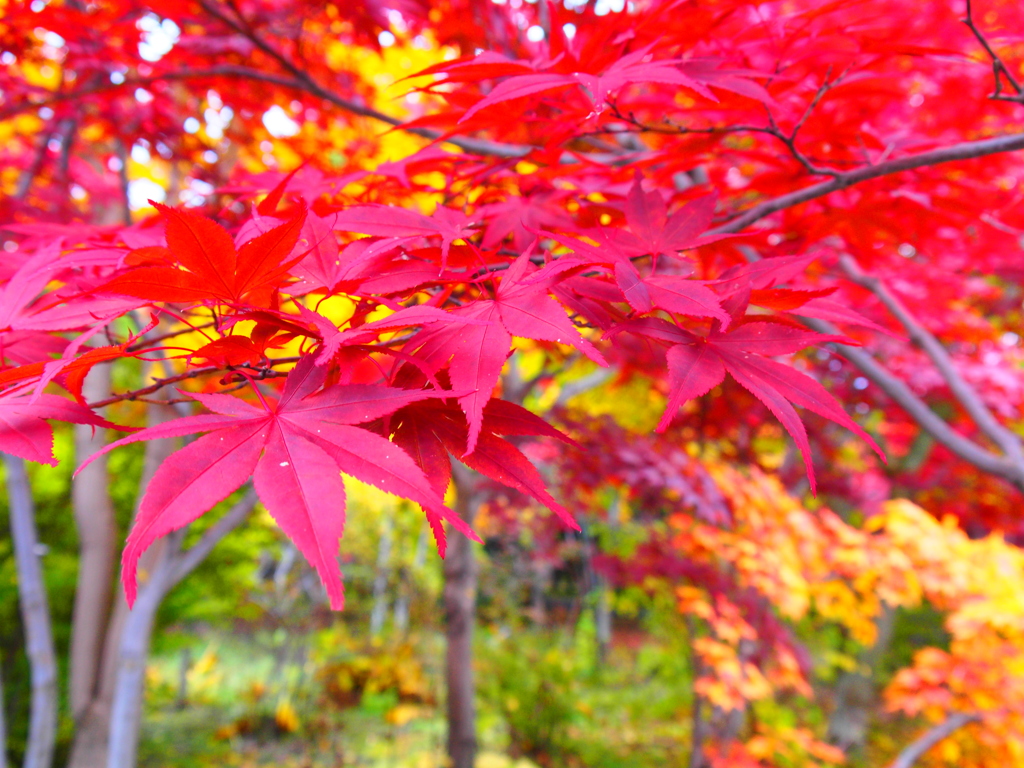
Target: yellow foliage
(286, 717)
(403, 714)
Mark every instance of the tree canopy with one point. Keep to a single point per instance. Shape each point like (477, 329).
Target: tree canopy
(356, 238)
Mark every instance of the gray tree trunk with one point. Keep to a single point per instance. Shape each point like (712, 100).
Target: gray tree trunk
(35, 614)
(172, 565)
(97, 536)
(379, 611)
(90, 745)
(460, 584)
(126, 707)
(603, 609)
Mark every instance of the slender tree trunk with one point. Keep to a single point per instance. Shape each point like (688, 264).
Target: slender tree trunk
(699, 727)
(540, 578)
(36, 616)
(184, 665)
(379, 611)
(89, 749)
(603, 609)
(126, 707)
(460, 583)
(3, 727)
(171, 566)
(97, 535)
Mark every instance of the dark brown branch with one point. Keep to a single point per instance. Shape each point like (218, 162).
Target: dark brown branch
(790, 139)
(474, 146)
(122, 176)
(966, 150)
(135, 394)
(150, 341)
(933, 736)
(308, 84)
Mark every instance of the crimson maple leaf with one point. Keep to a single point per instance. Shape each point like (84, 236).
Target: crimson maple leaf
(22, 310)
(477, 353)
(631, 68)
(761, 278)
(430, 431)
(23, 428)
(213, 268)
(294, 451)
(652, 231)
(698, 364)
(671, 292)
(398, 226)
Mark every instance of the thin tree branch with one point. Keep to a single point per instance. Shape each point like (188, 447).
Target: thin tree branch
(261, 373)
(27, 175)
(187, 561)
(919, 411)
(122, 176)
(933, 736)
(592, 380)
(790, 140)
(964, 151)
(963, 391)
(306, 84)
(309, 84)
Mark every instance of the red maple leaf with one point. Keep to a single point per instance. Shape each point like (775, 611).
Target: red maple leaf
(23, 428)
(652, 231)
(294, 451)
(213, 270)
(398, 226)
(632, 68)
(520, 307)
(697, 364)
(429, 432)
(671, 292)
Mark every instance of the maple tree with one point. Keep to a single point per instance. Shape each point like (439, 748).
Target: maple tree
(675, 191)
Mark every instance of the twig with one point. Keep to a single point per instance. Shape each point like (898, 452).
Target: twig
(150, 341)
(998, 66)
(313, 87)
(790, 140)
(135, 394)
(122, 175)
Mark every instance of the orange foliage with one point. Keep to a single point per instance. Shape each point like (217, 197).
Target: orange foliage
(804, 561)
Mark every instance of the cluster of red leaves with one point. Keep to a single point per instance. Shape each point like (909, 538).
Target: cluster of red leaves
(573, 250)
